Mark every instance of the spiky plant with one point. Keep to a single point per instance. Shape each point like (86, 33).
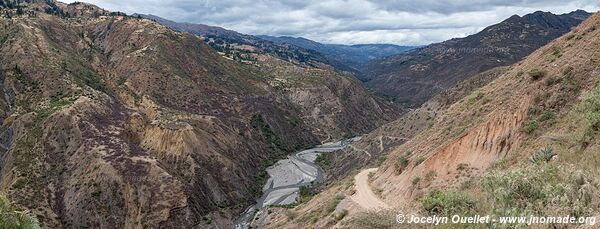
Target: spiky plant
(543, 155)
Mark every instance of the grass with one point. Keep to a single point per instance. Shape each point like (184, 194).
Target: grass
(10, 217)
(438, 202)
(541, 189)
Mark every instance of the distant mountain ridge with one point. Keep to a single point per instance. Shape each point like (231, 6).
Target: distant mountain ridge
(353, 56)
(418, 75)
(346, 58)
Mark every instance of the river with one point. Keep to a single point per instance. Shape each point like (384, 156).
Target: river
(288, 175)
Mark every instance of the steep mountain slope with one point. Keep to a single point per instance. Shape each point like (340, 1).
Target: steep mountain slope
(112, 121)
(353, 57)
(373, 147)
(526, 143)
(418, 75)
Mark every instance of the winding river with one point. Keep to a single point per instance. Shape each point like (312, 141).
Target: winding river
(288, 175)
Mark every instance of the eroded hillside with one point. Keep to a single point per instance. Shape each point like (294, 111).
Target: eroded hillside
(116, 121)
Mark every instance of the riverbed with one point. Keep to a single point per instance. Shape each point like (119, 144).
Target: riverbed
(288, 175)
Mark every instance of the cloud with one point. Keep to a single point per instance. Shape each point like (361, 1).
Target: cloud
(404, 22)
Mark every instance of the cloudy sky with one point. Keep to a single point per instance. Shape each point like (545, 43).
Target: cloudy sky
(403, 22)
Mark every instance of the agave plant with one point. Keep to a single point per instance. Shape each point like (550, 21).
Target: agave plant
(543, 155)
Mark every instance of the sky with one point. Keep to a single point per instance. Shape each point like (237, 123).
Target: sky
(401, 22)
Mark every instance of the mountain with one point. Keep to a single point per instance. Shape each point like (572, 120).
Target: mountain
(352, 57)
(418, 75)
(346, 58)
(232, 43)
(525, 142)
(114, 121)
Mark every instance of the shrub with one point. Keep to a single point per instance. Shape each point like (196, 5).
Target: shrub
(333, 204)
(543, 155)
(419, 160)
(416, 180)
(547, 116)
(536, 74)
(291, 215)
(401, 163)
(461, 166)
(430, 176)
(530, 126)
(341, 215)
(437, 202)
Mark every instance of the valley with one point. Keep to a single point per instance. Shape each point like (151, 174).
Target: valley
(127, 120)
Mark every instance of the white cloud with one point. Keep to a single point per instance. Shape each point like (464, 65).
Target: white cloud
(404, 22)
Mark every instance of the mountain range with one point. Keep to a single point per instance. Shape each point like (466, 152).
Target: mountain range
(118, 121)
(415, 77)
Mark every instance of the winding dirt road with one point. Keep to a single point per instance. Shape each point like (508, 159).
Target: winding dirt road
(364, 196)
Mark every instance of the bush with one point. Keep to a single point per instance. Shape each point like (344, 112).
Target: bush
(341, 215)
(419, 160)
(536, 74)
(547, 116)
(401, 163)
(416, 180)
(543, 155)
(437, 202)
(430, 176)
(530, 126)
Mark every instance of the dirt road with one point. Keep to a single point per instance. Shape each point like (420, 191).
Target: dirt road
(364, 196)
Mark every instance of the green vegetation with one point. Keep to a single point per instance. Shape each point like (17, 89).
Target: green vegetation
(437, 202)
(324, 160)
(541, 189)
(543, 155)
(332, 204)
(305, 193)
(10, 217)
(401, 163)
(419, 160)
(461, 166)
(547, 116)
(415, 181)
(375, 219)
(258, 122)
(343, 213)
(590, 108)
(530, 126)
(430, 176)
(536, 74)
(381, 159)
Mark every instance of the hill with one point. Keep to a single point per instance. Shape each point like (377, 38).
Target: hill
(114, 121)
(418, 75)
